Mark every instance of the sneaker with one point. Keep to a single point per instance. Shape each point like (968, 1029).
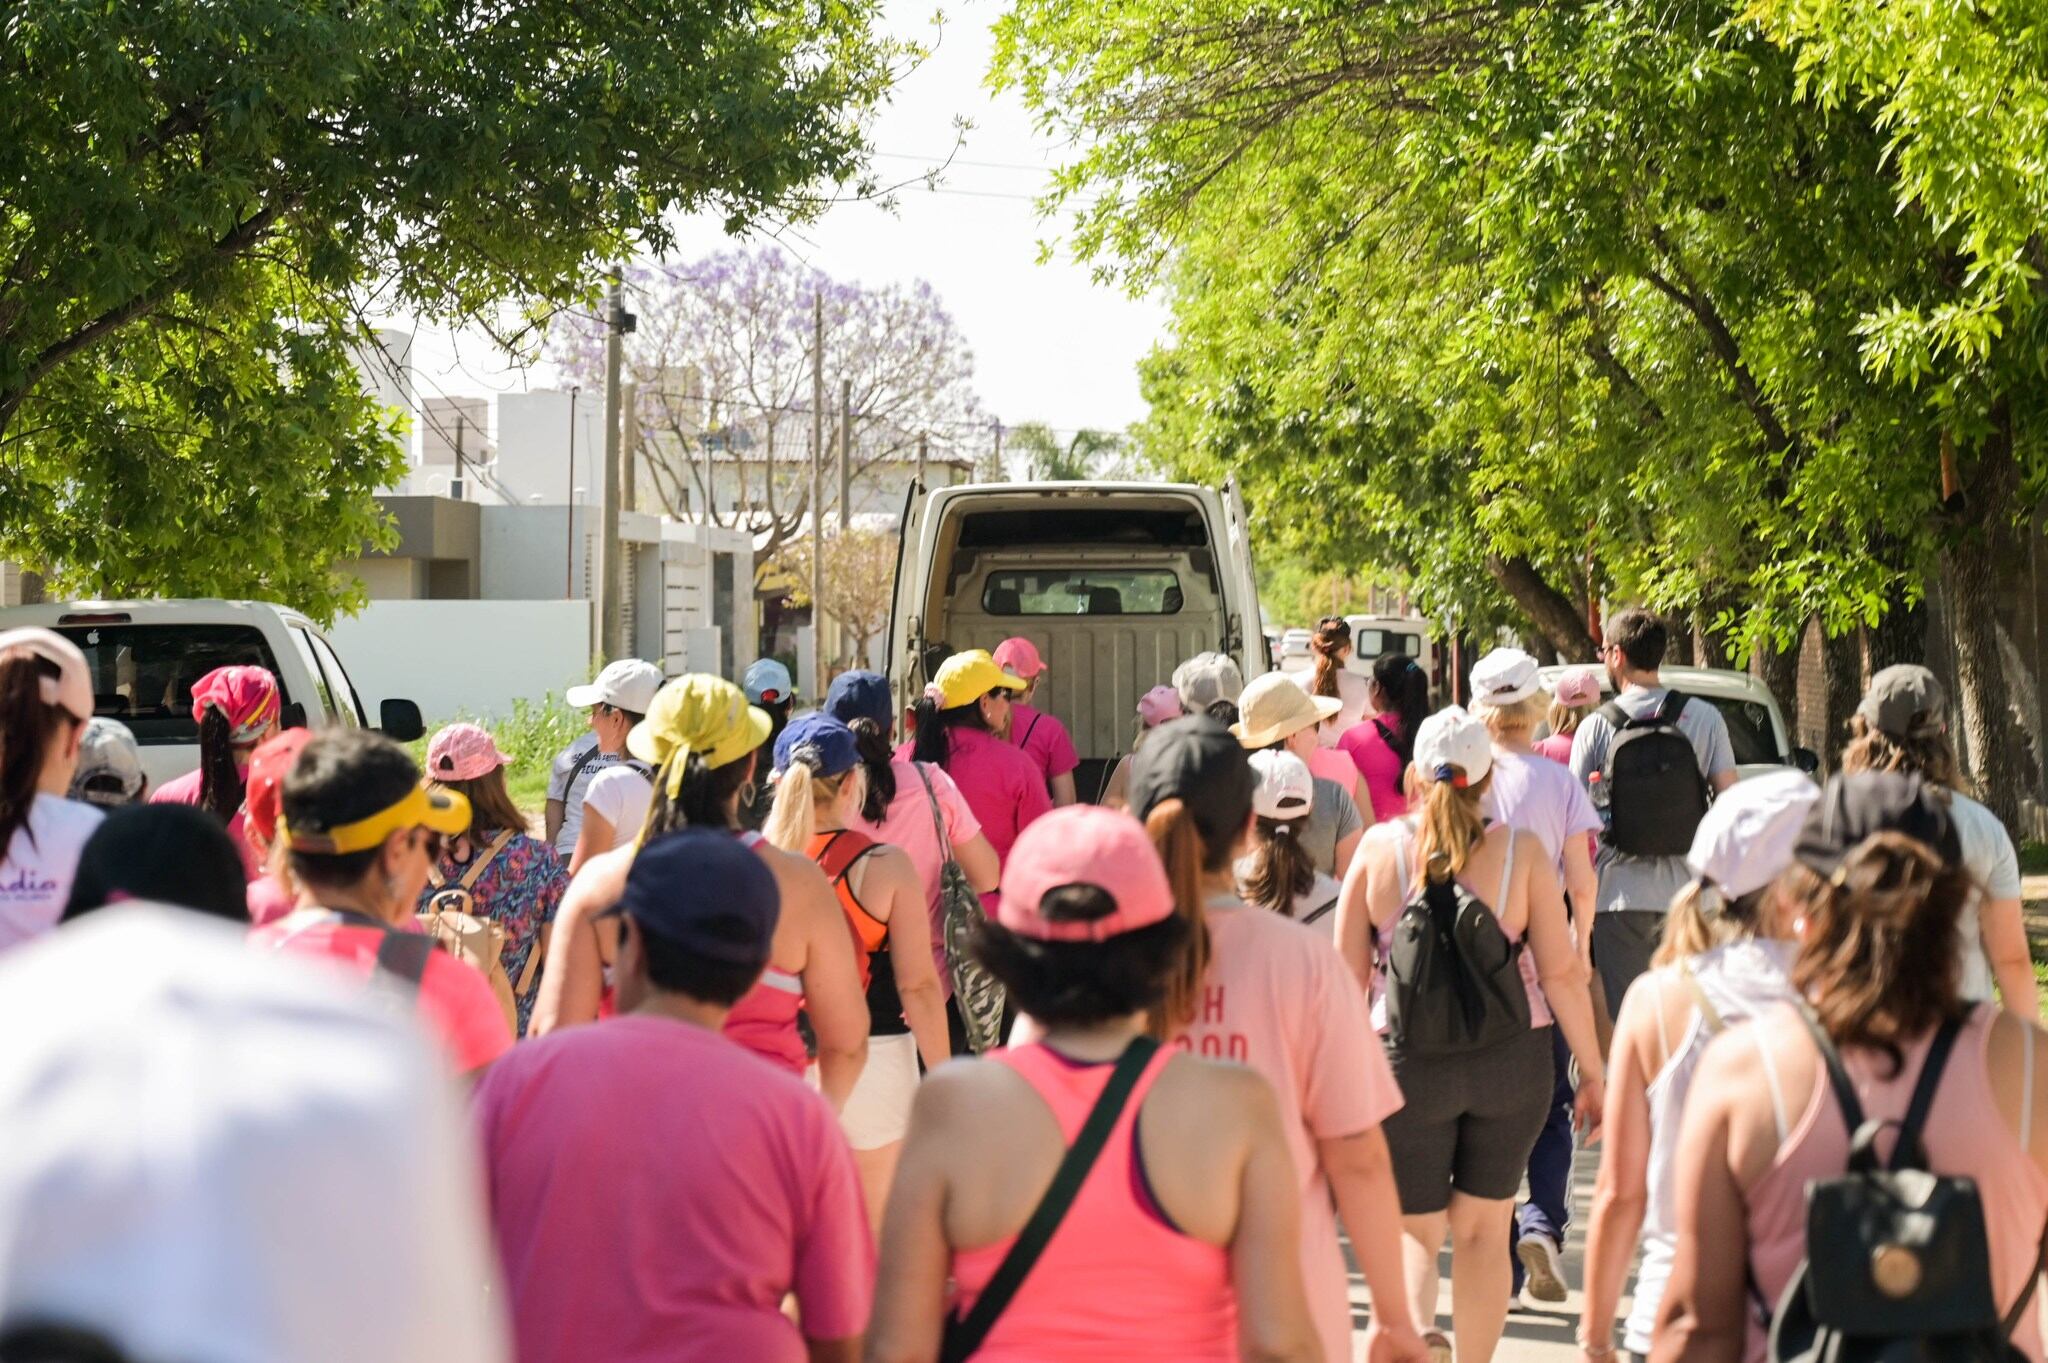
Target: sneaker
(1439, 1346)
(1539, 1256)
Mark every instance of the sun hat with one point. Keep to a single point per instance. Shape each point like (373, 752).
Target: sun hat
(1505, 676)
(463, 752)
(767, 682)
(1452, 739)
(1158, 705)
(268, 768)
(1854, 806)
(966, 677)
(246, 695)
(71, 689)
(1747, 835)
(628, 684)
(1903, 701)
(109, 764)
(698, 713)
(703, 890)
(820, 742)
(860, 695)
(441, 811)
(1083, 845)
(1019, 657)
(1200, 763)
(1580, 686)
(1274, 707)
(1286, 788)
(1205, 679)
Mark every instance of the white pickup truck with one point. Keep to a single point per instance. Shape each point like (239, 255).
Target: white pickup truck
(145, 655)
(1756, 727)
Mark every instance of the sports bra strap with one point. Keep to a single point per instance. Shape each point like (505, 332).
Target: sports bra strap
(1507, 875)
(1401, 861)
(1763, 1055)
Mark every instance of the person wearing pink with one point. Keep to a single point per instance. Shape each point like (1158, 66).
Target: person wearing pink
(657, 1191)
(1384, 743)
(1043, 738)
(1176, 1240)
(1265, 991)
(236, 708)
(1331, 647)
(1876, 889)
(1576, 695)
(1155, 707)
(959, 721)
(269, 897)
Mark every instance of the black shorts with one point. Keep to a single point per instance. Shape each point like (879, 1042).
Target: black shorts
(1468, 1122)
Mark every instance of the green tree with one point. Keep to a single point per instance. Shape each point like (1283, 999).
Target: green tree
(1086, 454)
(203, 200)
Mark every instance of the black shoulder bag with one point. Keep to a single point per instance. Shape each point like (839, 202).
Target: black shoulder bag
(964, 1336)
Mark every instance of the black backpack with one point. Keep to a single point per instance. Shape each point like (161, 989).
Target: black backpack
(1898, 1267)
(1454, 980)
(1656, 794)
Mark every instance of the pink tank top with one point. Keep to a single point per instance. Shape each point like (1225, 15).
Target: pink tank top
(1965, 1136)
(1116, 1281)
(764, 1020)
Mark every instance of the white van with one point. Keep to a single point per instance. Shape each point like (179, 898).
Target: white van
(145, 655)
(1116, 583)
(1374, 636)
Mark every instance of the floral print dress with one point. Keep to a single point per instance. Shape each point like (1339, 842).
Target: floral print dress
(520, 891)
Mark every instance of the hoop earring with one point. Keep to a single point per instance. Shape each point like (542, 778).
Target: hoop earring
(748, 792)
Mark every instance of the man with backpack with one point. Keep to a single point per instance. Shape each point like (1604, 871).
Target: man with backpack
(1652, 759)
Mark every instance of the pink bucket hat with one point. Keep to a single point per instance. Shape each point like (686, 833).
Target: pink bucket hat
(247, 695)
(1019, 657)
(1158, 705)
(1084, 845)
(463, 752)
(1580, 686)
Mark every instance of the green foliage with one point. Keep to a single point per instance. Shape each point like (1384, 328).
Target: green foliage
(1088, 454)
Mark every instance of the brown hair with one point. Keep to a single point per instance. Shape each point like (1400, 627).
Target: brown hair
(28, 726)
(1641, 637)
(1926, 753)
(1689, 929)
(1451, 826)
(1186, 855)
(1279, 867)
(490, 805)
(1331, 638)
(1880, 962)
(221, 783)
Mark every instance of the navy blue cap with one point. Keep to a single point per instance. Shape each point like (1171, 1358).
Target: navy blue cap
(861, 695)
(704, 891)
(820, 742)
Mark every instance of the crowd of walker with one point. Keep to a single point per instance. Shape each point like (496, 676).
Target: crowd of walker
(313, 1055)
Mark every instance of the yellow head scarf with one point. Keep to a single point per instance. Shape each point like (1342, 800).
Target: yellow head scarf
(696, 714)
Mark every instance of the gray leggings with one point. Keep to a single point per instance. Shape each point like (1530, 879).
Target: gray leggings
(1468, 1122)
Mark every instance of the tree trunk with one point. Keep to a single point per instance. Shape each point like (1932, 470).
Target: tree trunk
(1679, 652)
(1539, 647)
(1842, 673)
(1551, 611)
(1778, 668)
(1900, 637)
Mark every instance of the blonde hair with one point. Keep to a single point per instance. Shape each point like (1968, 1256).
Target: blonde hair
(799, 794)
(1450, 827)
(1515, 717)
(1186, 855)
(1691, 928)
(1564, 719)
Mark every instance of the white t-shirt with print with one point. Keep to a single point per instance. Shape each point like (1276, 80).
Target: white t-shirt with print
(621, 797)
(41, 863)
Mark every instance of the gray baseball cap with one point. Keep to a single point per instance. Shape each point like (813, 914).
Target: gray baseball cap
(109, 764)
(1903, 700)
(1207, 678)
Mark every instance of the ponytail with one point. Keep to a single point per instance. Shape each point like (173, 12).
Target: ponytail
(794, 816)
(1702, 918)
(220, 780)
(931, 742)
(703, 797)
(1404, 686)
(1171, 825)
(872, 743)
(1279, 866)
(1450, 828)
(1331, 638)
(28, 725)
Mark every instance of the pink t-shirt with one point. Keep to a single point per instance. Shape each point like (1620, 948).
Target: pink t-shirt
(1379, 764)
(656, 1192)
(1280, 999)
(907, 823)
(1043, 739)
(1000, 784)
(267, 901)
(1557, 747)
(1334, 764)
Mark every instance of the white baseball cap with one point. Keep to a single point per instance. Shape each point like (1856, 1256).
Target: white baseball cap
(109, 764)
(1286, 788)
(1452, 738)
(1505, 676)
(628, 684)
(1747, 836)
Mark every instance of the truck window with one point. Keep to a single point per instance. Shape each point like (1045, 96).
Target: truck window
(348, 708)
(302, 640)
(1082, 591)
(142, 675)
(1750, 732)
(1377, 643)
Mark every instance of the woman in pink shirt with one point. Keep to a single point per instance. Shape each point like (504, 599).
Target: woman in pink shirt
(1040, 736)
(1877, 887)
(1576, 695)
(1383, 745)
(959, 720)
(236, 708)
(1176, 1243)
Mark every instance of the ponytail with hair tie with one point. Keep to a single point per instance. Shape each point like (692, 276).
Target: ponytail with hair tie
(1171, 826)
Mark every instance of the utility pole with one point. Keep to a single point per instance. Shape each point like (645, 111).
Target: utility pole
(569, 506)
(845, 452)
(629, 440)
(610, 559)
(460, 472)
(1001, 472)
(923, 442)
(817, 494)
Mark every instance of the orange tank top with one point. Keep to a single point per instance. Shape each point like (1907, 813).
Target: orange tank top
(1117, 1281)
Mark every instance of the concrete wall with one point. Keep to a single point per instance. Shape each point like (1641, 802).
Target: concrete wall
(465, 657)
(533, 447)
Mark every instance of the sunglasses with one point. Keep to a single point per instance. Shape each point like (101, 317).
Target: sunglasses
(435, 844)
(1002, 693)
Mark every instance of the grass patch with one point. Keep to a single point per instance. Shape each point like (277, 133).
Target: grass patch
(530, 737)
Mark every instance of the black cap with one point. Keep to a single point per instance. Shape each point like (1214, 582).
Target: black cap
(1199, 762)
(701, 890)
(1856, 805)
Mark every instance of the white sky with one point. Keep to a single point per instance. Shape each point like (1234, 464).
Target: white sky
(1050, 344)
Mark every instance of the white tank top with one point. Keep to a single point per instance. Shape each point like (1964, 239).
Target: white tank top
(1739, 979)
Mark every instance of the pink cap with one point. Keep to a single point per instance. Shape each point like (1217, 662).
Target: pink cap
(1578, 687)
(1084, 845)
(1019, 657)
(71, 688)
(247, 695)
(1158, 705)
(462, 752)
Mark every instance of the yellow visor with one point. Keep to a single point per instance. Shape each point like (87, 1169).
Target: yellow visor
(443, 811)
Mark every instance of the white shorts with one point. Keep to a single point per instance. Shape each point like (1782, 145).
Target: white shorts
(878, 1110)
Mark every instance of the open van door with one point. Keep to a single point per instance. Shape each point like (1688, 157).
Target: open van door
(906, 602)
(1247, 640)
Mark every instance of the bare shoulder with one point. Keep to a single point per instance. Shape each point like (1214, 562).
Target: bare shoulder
(599, 884)
(968, 1094)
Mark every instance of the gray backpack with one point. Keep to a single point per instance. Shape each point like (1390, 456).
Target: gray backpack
(1454, 980)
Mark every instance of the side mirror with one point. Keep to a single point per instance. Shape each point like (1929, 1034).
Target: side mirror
(293, 716)
(400, 719)
(1806, 759)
